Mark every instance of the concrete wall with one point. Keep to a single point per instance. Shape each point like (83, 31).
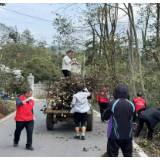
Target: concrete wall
(39, 90)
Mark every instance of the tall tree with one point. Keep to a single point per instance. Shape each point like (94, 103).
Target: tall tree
(27, 38)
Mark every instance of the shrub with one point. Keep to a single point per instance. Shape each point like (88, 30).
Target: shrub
(18, 87)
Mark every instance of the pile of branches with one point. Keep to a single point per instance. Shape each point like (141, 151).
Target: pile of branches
(60, 93)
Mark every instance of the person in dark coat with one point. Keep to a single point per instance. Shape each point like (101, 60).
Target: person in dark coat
(120, 126)
(151, 117)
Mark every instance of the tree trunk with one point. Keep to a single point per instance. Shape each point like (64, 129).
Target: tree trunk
(131, 19)
(158, 25)
(131, 62)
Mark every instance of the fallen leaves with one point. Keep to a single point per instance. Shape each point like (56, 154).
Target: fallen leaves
(85, 149)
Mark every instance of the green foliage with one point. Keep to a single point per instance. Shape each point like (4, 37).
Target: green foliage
(2, 4)
(41, 68)
(27, 38)
(14, 55)
(18, 86)
(5, 78)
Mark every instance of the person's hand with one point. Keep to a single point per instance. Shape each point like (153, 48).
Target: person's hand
(71, 61)
(30, 98)
(34, 118)
(86, 89)
(74, 60)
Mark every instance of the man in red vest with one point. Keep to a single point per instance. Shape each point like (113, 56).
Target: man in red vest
(24, 118)
(103, 100)
(139, 103)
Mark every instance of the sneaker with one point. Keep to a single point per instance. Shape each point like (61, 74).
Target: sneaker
(77, 137)
(15, 144)
(29, 148)
(82, 137)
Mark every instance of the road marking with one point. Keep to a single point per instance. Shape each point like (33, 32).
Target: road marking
(139, 150)
(97, 113)
(5, 118)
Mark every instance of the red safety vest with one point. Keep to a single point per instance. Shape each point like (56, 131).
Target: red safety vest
(102, 97)
(24, 112)
(139, 103)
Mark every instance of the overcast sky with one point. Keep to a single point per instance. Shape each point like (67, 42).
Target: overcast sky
(39, 28)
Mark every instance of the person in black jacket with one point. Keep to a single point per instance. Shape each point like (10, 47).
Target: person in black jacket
(120, 114)
(151, 117)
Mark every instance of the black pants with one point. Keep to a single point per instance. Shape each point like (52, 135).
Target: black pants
(66, 73)
(113, 146)
(142, 119)
(102, 107)
(80, 118)
(29, 128)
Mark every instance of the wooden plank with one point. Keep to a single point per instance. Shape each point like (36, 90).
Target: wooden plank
(49, 110)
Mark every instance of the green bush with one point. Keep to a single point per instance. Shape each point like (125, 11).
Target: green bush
(41, 68)
(18, 87)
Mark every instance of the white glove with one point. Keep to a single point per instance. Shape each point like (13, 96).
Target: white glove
(30, 98)
(108, 96)
(86, 89)
(34, 118)
(74, 59)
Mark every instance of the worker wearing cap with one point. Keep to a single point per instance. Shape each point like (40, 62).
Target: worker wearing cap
(66, 64)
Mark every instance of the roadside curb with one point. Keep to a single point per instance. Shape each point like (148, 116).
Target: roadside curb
(138, 149)
(8, 116)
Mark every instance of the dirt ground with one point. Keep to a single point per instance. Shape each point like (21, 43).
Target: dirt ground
(151, 147)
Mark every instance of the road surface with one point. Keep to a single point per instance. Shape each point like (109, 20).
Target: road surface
(56, 143)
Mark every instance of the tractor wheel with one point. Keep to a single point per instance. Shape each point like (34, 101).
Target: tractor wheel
(90, 121)
(49, 121)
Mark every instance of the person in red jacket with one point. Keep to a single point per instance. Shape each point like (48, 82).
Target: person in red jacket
(103, 100)
(24, 118)
(139, 103)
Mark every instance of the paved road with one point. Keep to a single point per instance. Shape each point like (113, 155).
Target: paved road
(56, 143)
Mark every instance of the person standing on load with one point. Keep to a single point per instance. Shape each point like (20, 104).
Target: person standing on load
(103, 100)
(66, 64)
(80, 107)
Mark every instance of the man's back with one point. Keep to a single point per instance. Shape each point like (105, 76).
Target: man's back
(139, 103)
(80, 102)
(152, 115)
(120, 124)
